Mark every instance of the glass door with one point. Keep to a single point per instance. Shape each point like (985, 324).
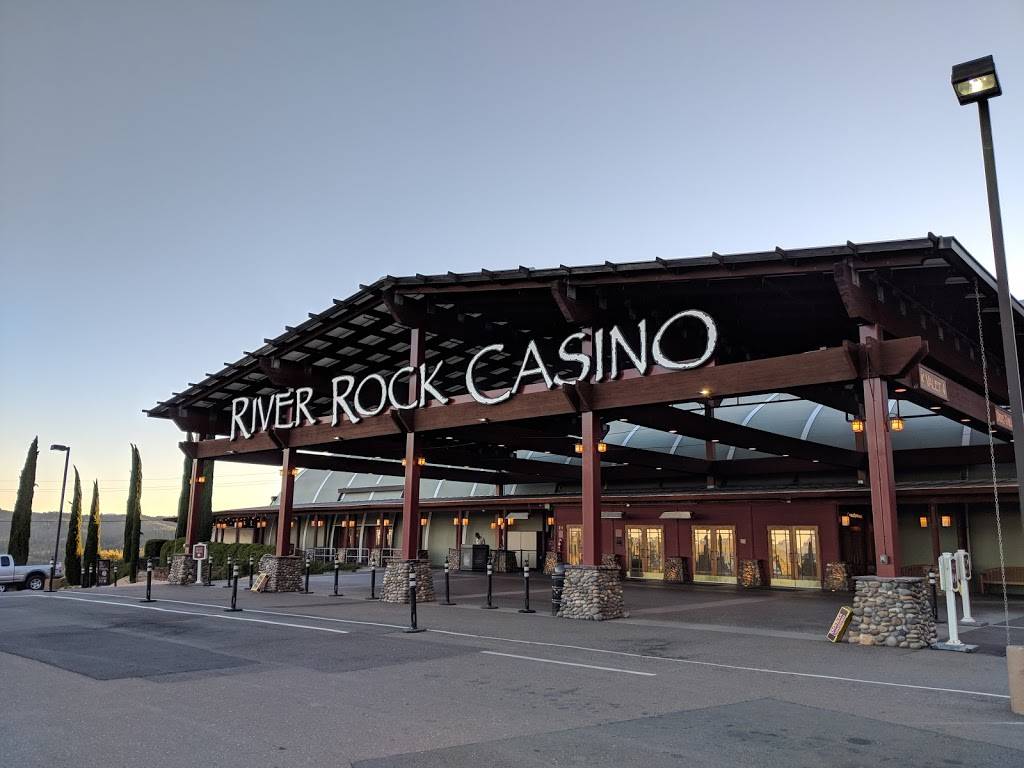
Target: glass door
(714, 554)
(645, 548)
(794, 556)
(574, 544)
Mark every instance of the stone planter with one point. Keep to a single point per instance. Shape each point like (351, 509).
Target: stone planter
(396, 581)
(182, 570)
(677, 570)
(284, 574)
(592, 592)
(550, 561)
(894, 612)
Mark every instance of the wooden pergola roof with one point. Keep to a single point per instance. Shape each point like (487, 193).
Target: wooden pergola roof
(781, 314)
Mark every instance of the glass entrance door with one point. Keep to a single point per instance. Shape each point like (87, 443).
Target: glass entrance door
(574, 544)
(714, 554)
(645, 548)
(794, 556)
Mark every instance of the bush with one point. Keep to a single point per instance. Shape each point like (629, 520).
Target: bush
(153, 548)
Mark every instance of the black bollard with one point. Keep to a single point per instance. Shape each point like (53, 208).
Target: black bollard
(447, 586)
(231, 561)
(209, 572)
(490, 575)
(373, 583)
(115, 575)
(92, 575)
(557, 584)
(526, 590)
(412, 601)
(935, 596)
(149, 582)
(234, 590)
(337, 569)
(250, 572)
(306, 591)
(53, 574)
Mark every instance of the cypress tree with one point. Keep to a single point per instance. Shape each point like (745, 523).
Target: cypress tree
(186, 486)
(21, 520)
(206, 503)
(73, 545)
(133, 516)
(92, 537)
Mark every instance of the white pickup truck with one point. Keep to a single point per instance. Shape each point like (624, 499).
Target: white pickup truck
(23, 576)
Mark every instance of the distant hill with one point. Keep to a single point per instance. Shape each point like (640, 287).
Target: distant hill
(44, 528)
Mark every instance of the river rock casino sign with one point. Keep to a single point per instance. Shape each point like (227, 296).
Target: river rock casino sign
(602, 407)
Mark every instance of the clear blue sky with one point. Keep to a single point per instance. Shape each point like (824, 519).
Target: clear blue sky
(180, 179)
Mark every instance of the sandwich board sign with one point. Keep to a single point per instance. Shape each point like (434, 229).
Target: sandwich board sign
(260, 583)
(840, 624)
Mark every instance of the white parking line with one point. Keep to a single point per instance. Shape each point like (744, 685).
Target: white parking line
(203, 615)
(624, 654)
(570, 664)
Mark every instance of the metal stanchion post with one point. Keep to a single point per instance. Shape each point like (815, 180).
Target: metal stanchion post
(209, 572)
(92, 575)
(490, 575)
(231, 561)
(306, 588)
(373, 583)
(935, 596)
(557, 585)
(526, 590)
(447, 586)
(337, 570)
(234, 590)
(115, 574)
(412, 601)
(53, 572)
(149, 582)
(250, 571)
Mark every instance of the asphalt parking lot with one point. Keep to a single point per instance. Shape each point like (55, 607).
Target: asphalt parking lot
(695, 676)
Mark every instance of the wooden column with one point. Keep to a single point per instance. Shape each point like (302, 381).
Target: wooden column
(284, 503)
(411, 483)
(880, 471)
(591, 496)
(933, 521)
(195, 495)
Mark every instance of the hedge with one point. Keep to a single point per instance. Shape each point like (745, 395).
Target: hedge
(152, 548)
(240, 552)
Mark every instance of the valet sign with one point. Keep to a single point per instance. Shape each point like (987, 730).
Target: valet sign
(367, 396)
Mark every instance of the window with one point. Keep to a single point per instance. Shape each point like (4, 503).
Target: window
(714, 554)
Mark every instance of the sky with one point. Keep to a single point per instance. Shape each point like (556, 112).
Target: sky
(179, 180)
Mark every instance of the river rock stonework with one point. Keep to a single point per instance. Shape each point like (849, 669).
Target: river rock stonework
(454, 560)
(894, 612)
(284, 574)
(592, 592)
(396, 581)
(750, 574)
(183, 570)
(837, 577)
(550, 561)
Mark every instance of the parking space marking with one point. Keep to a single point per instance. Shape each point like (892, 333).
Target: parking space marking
(624, 654)
(203, 615)
(570, 664)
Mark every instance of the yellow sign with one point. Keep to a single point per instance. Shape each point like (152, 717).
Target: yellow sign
(839, 626)
(932, 382)
(259, 583)
(1003, 419)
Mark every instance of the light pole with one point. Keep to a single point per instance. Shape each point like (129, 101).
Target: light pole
(976, 81)
(60, 509)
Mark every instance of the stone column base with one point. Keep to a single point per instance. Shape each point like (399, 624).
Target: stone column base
(676, 571)
(592, 592)
(284, 574)
(550, 561)
(837, 577)
(182, 570)
(892, 611)
(750, 574)
(396, 581)
(454, 560)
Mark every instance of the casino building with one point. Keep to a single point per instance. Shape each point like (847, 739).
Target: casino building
(789, 419)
